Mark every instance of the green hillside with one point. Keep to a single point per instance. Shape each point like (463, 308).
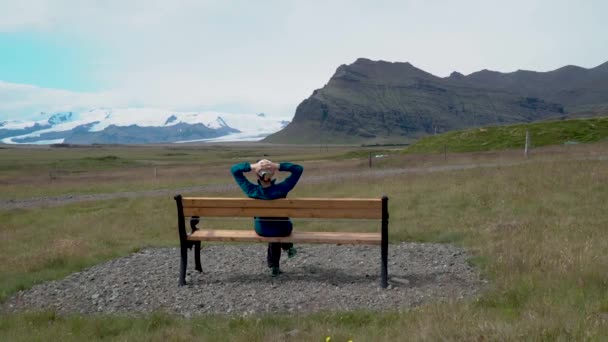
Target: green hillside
(513, 136)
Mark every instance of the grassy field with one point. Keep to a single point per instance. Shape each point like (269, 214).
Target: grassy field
(537, 228)
(514, 136)
(38, 172)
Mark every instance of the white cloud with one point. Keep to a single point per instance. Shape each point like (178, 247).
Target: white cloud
(26, 102)
(21, 101)
(270, 55)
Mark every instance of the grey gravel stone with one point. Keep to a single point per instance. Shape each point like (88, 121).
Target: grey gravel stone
(235, 280)
(400, 280)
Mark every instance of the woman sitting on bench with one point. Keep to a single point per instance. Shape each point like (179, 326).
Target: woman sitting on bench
(267, 189)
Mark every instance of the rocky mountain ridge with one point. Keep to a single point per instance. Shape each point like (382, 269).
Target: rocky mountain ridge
(384, 101)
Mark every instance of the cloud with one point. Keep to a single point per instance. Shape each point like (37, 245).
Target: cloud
(270, 55)
(23, 101)
(20, 101)
(182, 54)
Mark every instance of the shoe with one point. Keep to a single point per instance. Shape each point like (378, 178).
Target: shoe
(291, 252)
(194, 220)
(275, 271)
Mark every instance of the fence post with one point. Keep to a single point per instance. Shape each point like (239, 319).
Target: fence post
(527, 144)
(370, 160)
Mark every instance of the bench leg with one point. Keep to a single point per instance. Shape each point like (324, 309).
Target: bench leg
(384, 244)
(384, 266)
(182, 266)
(197, 256)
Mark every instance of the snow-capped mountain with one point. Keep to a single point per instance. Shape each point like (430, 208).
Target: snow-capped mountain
(138, 125)
(59, 118)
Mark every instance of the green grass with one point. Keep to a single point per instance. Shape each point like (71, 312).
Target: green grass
(513, 136)
(27, 173)
(537, 232)
(49, 243)
(43, 171)
(359, 326)
(61, 185)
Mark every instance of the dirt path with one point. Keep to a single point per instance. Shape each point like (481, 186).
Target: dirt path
(53, 201)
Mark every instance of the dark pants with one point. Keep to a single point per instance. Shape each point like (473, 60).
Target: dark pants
(270, 227)
(274, 252)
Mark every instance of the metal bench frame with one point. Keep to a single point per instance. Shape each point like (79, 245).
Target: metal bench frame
(263, 208)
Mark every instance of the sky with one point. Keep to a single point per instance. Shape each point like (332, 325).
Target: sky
(267, 56)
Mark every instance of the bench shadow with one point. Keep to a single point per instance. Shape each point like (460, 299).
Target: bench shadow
(309, 274)
(421, 280)
(331, 276)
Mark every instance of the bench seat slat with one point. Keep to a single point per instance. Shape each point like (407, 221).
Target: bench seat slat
(296, 236)
(284, 212)
(287, 203)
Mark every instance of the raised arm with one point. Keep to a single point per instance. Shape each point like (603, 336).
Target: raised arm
(291, 181)
(237, 172)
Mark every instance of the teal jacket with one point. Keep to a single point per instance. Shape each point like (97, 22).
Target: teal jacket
(269, 226)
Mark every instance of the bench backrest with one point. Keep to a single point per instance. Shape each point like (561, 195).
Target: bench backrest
(352, 208)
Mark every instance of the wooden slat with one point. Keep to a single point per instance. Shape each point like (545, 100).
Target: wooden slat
(287, 203)
(299, 237)
(282, 212)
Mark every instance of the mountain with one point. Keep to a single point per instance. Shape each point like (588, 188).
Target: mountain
(7, 130)
(378, 101)
(60, 118)
(137, 126)
(132, 134)
(572, 86)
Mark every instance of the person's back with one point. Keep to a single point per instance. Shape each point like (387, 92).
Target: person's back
(268, 189)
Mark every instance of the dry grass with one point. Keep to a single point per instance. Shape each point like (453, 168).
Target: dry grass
(537, 229)
(26, 173)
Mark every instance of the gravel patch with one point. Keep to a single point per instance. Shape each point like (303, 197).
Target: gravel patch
(236, 281)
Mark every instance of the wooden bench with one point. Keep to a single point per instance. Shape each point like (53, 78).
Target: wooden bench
(313, 208)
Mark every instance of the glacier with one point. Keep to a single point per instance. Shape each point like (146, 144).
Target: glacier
(139, 125)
